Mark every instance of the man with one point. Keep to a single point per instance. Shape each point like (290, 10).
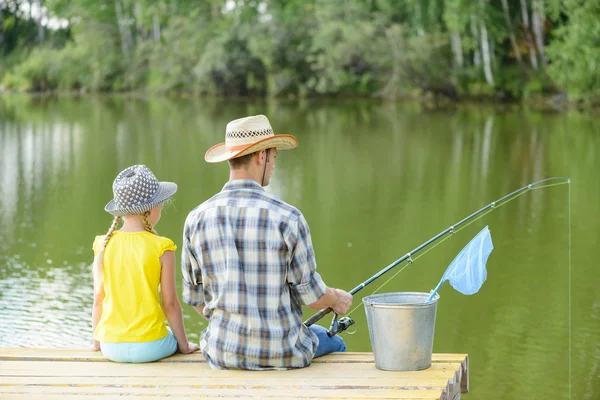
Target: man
(248, 263)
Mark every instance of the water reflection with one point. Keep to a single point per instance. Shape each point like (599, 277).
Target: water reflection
(373, 180)
(42, 307)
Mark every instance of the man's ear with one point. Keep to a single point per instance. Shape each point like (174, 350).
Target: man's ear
(262, 154)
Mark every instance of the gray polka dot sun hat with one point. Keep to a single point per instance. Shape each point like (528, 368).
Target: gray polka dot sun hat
(136, 190)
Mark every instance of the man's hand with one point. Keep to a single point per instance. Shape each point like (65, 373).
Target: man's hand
(336, 299)
(343, 303)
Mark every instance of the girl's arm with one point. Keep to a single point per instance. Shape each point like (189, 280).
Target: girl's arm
(200, 310)
(170, 303)
(98, 298)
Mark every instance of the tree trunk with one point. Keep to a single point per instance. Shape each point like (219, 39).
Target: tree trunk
(389, 89)
(137, 15)
(41, 30)
(1, 30)
(530, 44)
(124, 42)
(457, 49)
(511, 33)
(475, 34)
(419, 13)
(156, 28)
(487, 59)
(537, 19)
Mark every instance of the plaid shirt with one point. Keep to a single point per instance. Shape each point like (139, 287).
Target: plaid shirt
(248, 257)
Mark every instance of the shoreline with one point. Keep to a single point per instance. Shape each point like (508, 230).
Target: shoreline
(558, 102)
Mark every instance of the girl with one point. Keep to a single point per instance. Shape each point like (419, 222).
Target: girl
(130, 264)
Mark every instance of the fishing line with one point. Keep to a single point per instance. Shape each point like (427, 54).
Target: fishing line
(570, 385)
(495, 207)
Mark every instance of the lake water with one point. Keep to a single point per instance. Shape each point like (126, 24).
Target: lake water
(374, 181)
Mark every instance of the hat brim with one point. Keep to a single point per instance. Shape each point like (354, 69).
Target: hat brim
(164, 192)
(219, 152)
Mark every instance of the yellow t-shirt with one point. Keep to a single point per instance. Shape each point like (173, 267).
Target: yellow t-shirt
(131, 310)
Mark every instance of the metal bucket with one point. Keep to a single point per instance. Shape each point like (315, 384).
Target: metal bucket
(401, 326)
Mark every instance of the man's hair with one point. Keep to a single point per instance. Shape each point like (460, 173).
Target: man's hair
(243, 161)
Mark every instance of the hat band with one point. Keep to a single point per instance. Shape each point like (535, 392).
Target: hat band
(121, 202)
(246, 145)
(240, 147)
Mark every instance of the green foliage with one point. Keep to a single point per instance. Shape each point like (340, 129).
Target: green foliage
(344, 57)
(15, 82)
(306, 47)
(574, 53)
(81, 64)
(426, 61)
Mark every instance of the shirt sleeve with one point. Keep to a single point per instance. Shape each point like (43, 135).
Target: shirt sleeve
(303, 278)
(97, 244)
(191, 285)
(166, 245)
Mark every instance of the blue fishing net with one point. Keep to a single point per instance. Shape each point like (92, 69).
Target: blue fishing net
(467, 272)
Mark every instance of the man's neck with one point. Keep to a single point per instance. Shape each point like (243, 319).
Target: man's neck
(236, 174)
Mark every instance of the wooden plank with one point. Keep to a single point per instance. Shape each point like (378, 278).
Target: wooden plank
(464, 384)
(241, 382)
(25, 354)
(212, 393)
(75, 373)
(144, 397)
(347, 371)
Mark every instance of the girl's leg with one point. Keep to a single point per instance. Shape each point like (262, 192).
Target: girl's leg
(327, 344)
(153, 351)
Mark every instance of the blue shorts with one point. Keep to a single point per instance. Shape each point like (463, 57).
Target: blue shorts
(140, 352)
(327, 344)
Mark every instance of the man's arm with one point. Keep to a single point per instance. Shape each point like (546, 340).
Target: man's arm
(306, 282)
(193, 291)
(336, 299)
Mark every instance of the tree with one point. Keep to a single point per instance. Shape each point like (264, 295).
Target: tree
(574, 55)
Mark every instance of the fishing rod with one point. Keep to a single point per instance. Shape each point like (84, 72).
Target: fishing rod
(340, 325)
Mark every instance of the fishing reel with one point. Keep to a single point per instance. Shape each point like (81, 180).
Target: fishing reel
(339, 325)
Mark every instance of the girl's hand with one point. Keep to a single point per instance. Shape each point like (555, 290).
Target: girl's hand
(191, 347)
(95, 346)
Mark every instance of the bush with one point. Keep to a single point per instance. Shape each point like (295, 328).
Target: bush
(90, 62)
(574, 53)
(15, 82)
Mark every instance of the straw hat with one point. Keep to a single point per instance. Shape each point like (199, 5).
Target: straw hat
(137, 190)
(248, 135)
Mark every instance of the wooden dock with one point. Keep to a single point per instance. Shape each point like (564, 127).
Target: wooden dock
(74, 374)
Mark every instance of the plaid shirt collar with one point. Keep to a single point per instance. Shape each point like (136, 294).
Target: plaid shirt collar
(242, 184)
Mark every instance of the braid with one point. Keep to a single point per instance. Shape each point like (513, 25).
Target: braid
(146, 222)
(110, 232)
(98, 261)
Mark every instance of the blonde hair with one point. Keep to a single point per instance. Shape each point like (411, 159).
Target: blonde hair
(111, 230)
(98, 265)
(147, 223)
